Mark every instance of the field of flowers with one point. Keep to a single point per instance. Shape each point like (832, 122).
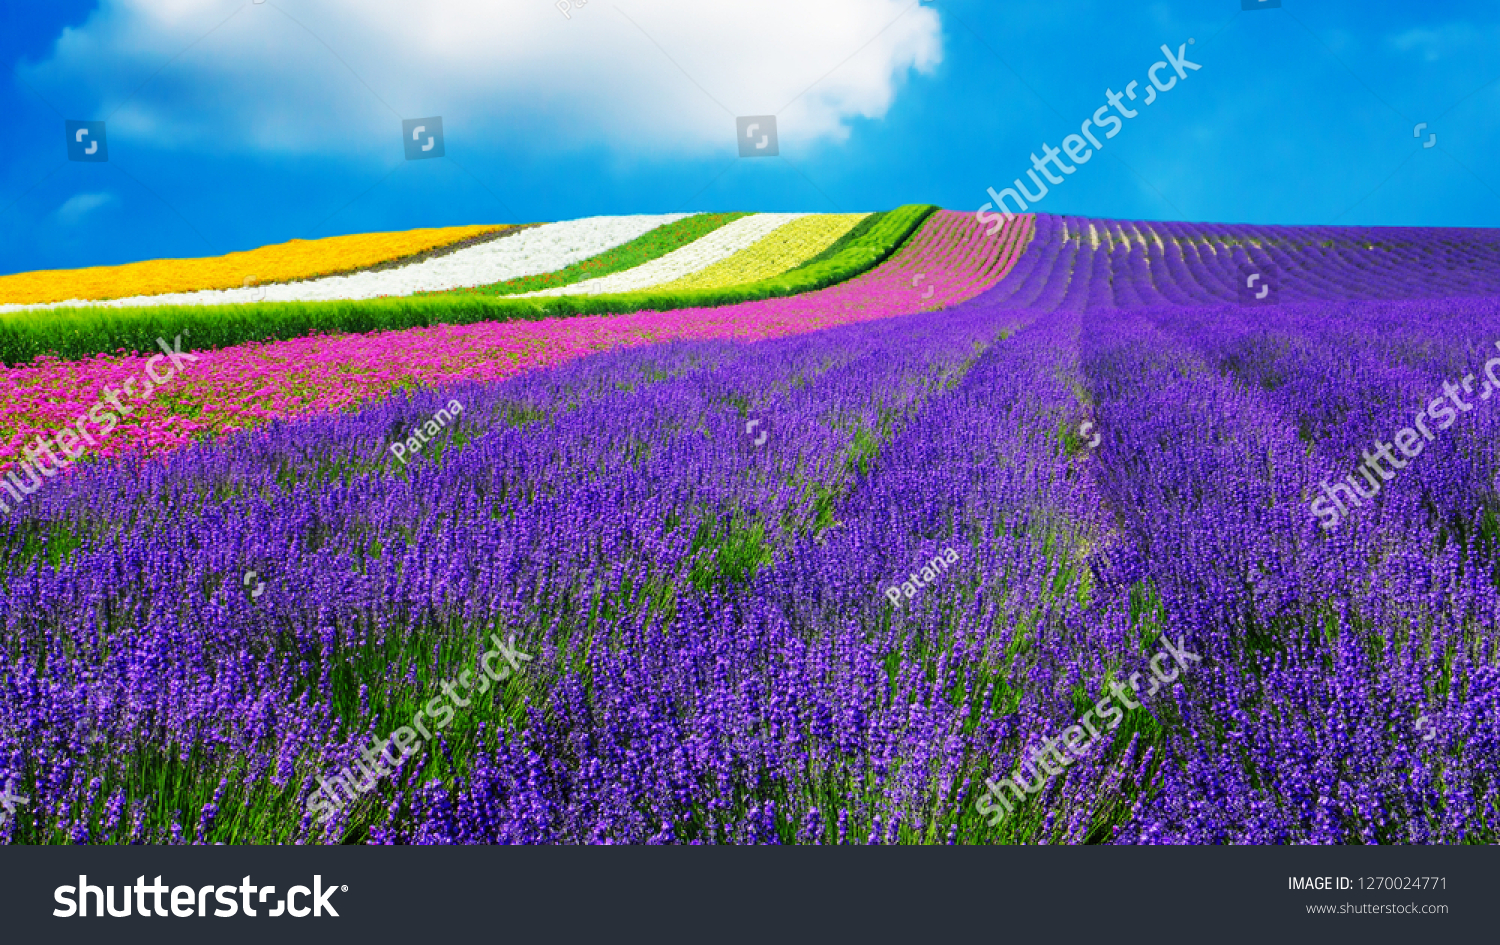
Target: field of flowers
(782, 249)
(653, 245)
(284, 262)
(527, 252)
(714, 655)
(692, 258)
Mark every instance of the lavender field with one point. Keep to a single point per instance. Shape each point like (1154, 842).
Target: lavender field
(608, 606)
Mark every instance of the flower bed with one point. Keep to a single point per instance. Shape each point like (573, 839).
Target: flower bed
(698, 255)
(283, 262)
(653, 245)
(782, 249)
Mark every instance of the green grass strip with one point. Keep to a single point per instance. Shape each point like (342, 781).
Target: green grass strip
(653, 245)
(75, 333)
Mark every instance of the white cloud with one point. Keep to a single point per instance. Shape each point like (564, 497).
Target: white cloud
(78, 206)
(516, 72)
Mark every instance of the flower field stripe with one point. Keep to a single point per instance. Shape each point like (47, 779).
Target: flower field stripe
(956, 260)
(701, 253)
(529, 252)
(246, 386)
(946, 480)
(948, 253)
(779, 251)
(1201, 263)
(283, 262)
(652, 245)
(84, 332)
(1305, 352)
(855, 235)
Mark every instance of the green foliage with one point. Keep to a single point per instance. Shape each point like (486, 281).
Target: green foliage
(75, 333)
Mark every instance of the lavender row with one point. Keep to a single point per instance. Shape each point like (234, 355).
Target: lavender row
(1324, 651)
(1093, 263)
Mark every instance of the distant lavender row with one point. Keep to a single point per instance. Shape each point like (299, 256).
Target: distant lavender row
(1147, 263)
(1328, 649)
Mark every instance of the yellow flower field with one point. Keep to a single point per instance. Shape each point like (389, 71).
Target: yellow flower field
(283, 262)
(785, 247)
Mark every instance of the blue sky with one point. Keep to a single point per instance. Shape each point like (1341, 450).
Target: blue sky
(232, 124)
